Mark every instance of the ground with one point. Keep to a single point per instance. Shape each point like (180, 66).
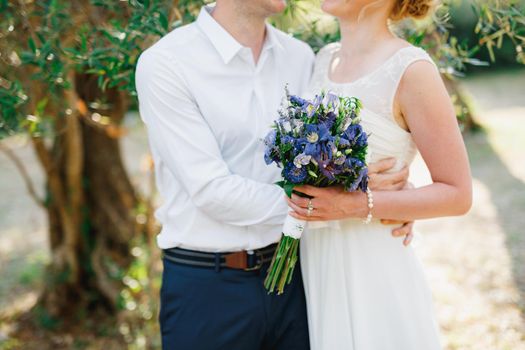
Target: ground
(475, 264)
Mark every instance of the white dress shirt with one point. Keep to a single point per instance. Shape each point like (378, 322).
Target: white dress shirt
(206, 106)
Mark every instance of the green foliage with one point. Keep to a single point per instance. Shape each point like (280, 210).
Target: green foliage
(45, 42)
(12, 101)
(478, 24)
(111, 51)
(499, 20)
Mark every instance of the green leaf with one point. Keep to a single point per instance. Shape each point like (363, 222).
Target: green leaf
(286, 186)
(312, 173)
(32, 45)
(40, 106)
(163, 19)
(288, 189)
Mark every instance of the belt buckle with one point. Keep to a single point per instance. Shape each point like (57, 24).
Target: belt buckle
(259, 264)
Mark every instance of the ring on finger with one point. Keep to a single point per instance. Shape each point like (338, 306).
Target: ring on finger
(310, 208)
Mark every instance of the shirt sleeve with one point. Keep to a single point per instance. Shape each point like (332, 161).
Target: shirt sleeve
(188, 148)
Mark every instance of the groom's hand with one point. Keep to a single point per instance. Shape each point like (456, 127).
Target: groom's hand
(380, 180)
(405, 230)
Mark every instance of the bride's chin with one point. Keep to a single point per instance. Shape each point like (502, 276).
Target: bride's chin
(334, 7)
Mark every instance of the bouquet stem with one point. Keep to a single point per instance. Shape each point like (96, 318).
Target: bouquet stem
(282, 266)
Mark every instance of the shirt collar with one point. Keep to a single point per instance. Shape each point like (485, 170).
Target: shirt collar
(272, 41)
(223, 42)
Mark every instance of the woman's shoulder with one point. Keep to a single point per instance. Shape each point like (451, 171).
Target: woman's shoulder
(412, 52)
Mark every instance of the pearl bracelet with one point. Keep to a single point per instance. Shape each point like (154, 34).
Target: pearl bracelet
(370, 205)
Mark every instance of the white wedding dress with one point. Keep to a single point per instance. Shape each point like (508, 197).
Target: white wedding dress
(364, 289)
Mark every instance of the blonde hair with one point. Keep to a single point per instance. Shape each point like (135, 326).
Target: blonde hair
(402, 9)
(411, 8)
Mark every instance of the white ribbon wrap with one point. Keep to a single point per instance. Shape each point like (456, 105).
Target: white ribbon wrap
(293, 227)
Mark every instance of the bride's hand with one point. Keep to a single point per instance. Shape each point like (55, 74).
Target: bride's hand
(333, 203)
(328, 203)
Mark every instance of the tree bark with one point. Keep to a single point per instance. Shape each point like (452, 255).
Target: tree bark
(90, 205)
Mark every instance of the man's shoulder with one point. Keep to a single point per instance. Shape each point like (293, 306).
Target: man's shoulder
(173, 44)
(163, 58)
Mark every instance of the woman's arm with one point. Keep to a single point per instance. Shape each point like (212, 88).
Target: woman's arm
(428, 111)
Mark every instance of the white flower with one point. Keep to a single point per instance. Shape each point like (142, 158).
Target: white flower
(301, 159)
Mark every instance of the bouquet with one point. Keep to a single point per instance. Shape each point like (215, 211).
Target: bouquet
(316, 142)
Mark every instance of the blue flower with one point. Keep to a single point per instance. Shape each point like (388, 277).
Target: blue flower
(294, 174)
(364, 180)
(328, 119)
(320, 130)
(287, 139)
(269, 139)
(362, 140)
(318, 99)
(317, 135)
(361, 181)
(309, 109)
(327, 170)
(354, 163)
(270, 153)
(352, 132)
(297, 100)
(360, 171)
(331, 100)
(343, 142)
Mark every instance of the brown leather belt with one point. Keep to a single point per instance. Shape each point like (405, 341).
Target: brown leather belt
(241, 260)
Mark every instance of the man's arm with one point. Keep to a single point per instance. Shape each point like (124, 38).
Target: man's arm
(187, 146)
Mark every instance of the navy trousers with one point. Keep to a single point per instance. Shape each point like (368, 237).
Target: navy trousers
(205, 309)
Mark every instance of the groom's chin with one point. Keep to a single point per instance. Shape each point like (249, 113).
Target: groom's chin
(278, 6)
(265, 8)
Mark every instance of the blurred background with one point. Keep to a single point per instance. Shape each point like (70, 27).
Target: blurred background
(79, 267)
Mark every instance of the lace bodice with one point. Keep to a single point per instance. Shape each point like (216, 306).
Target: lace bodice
(376, 90)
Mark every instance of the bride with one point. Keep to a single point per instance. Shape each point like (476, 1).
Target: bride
(364, 290)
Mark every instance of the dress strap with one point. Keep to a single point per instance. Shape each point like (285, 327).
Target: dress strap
(404, 59)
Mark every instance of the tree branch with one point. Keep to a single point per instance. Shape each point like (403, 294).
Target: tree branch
(25, 176)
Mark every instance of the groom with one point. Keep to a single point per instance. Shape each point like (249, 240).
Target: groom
(207, 93)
